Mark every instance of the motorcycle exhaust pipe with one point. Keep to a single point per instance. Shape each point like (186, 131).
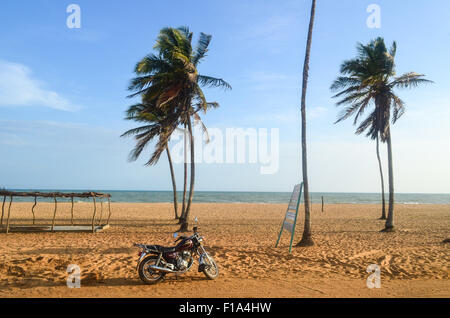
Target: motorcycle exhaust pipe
(161, 269)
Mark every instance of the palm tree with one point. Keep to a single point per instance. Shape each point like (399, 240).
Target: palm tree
(306, 237)
(154, 120)
(171, 79)
(371, 79)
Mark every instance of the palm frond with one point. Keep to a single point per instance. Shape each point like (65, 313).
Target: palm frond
(138, 130)
(140, 146)
(345, 82)
(352, 97)
(393, 49)
(200, 96)
(213, 82)
(151, 64)
(408, 80)
(198, 120)
(347, 112)
(368, 122)
(202, 47)
(362, 107)
(351, 90)
(399, 107)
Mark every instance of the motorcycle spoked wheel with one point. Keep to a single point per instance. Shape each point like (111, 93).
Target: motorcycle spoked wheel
(148, 276)
(211, 270)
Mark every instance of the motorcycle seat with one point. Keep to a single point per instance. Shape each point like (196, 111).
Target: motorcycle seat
(161, 249)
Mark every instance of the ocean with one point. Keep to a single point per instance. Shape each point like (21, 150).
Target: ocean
(257, 197)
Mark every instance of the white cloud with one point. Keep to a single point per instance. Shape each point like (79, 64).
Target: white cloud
(19, 88)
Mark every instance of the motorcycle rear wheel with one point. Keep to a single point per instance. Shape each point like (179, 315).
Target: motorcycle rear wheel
(147, 275)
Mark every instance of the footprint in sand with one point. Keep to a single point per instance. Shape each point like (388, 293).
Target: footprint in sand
(92, 279)
(16, 271)
(386, 260)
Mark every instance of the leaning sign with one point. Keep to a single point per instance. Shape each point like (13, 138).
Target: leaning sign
(290, 219)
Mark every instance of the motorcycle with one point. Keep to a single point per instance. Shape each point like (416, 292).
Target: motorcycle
(156, 261)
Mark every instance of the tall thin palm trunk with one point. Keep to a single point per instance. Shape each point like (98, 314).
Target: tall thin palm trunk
(174, 185)
(390, 217)
(383, 207)
(183, 208)
(184, 225)
(307, 237)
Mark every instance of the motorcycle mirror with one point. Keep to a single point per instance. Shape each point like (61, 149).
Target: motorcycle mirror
(175, 235)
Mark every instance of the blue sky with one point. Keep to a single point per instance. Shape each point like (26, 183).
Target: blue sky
(63, 92)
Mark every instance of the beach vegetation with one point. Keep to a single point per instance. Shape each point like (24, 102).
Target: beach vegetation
(370, 81)
(170, 82)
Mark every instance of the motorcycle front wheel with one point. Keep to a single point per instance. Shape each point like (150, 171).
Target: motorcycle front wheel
(147, 275)
(211, 270)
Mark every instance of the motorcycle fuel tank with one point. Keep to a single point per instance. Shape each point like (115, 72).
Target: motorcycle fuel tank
(184, 245)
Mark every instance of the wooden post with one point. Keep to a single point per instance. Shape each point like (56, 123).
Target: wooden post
(109, 208)
(9, 213)
(3, 209)
(322, 203)
(93, 216)
(101, 212)
(54, 214)
(32, 209)
(71, 211)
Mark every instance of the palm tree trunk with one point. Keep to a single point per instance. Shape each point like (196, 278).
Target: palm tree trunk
(183, 208)
(184, 225)
(174, 185)
(390, 217)
(383, 207)
(307, 237)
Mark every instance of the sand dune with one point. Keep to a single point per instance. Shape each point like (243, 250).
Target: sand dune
(413, 260)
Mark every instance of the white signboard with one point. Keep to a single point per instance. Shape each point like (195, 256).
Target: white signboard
(290, 219)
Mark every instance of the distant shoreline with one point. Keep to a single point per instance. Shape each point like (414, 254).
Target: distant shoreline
(207, 191)
(129, 196)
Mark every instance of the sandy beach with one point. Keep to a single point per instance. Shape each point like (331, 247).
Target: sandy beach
(413, 260)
